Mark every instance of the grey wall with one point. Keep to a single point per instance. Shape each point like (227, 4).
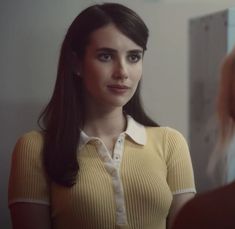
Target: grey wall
(31, 33)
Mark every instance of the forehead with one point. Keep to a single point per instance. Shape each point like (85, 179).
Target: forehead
(110, 36)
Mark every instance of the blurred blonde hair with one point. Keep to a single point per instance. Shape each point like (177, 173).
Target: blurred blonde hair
(226, 116)
(226, 100)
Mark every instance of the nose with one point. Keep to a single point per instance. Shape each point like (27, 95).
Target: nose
(121, 71)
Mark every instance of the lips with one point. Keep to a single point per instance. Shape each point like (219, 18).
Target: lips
(118, 88)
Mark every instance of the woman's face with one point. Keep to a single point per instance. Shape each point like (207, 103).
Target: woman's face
(111, 68)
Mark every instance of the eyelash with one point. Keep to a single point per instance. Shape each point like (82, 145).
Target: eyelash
(132, 58)
(137, 57)
(102, 57)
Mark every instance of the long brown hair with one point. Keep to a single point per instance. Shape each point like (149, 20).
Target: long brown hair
(63, 118)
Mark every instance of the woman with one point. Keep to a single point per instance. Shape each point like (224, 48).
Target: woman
(215, 209)
(100, 162)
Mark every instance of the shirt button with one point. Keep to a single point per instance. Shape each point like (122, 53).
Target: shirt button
(120, 209)
(117, 157)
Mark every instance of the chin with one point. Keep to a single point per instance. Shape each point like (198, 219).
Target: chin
(118, 103)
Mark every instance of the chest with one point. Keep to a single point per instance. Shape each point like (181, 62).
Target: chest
(129, 187)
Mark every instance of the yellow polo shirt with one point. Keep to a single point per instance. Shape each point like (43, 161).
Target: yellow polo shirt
(133, 188)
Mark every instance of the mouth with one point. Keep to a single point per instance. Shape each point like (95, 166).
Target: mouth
(118, 88)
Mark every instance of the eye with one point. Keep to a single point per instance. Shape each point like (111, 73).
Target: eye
(104, 57)
(134, 58)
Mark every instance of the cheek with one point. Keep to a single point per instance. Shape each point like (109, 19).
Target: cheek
(93, 80)
(90, 84)
(139, 70)
(97, 72)
(89, 74)
(136, 80)
(89, 81)
(137, 74)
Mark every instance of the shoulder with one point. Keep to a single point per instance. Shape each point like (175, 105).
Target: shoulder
(213, 209)
(186, 217)
(194, 214)
(33, 137)
(221, 198)
(163, 130)
(165, 133)
(30, 143)
(172, 142)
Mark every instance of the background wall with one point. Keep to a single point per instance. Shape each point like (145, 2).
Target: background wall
(31, 34)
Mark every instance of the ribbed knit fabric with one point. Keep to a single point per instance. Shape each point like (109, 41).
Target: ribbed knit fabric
(148, 177)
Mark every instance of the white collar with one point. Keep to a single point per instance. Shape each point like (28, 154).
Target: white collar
(134, 130)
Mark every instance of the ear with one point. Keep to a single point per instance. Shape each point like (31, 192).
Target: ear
(76, 64)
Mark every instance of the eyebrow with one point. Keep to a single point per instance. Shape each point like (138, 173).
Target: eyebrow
(105, 49)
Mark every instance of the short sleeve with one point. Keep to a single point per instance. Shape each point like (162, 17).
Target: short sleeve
(28, 181)
(180, 175)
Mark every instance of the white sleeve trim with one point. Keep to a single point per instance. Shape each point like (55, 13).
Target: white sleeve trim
(184, 191)
(22, 200)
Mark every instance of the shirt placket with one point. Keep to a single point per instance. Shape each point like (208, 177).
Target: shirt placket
(112, 166)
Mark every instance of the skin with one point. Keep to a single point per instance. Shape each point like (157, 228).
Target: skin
(111, 70)
(111, 59)
(30, 216)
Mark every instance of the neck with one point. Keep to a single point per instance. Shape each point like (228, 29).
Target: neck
(102, 124)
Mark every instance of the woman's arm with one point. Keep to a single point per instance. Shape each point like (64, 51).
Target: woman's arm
(30, 216)
(177, 203)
